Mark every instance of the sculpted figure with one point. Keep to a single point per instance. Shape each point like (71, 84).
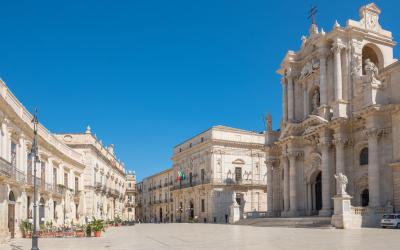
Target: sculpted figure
(341, 182)
(371, 69)
(315, 100)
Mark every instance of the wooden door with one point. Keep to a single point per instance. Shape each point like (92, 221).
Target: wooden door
(11, 219)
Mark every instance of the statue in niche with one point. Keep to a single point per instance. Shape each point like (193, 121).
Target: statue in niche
(315, 101)
(268, 120)
(341, 181)
(370, 69)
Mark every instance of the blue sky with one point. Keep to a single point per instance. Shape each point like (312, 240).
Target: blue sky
(146, 75)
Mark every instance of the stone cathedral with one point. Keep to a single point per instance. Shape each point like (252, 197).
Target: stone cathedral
(341, 114)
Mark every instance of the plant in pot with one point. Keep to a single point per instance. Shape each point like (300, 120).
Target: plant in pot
(117, 221)
(89, 230)
(79, 230)
(97, 226)
(26, 228)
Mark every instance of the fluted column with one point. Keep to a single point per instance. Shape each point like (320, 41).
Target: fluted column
(293, 183)
(325, 144)
(305, 100)
(340, 106)
(290, 90)
(340, 142)
(322, 77)
(373, 167)
(270, 207)
(284, 99)
(285, 184)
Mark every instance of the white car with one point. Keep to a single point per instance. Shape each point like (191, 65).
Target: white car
(390, 220)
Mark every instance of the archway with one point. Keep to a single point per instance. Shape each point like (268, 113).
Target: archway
(161, 215)
(11, 214)
(318, 192)
(373, 53)
(191, 210)
(365, 197)
(41, 211)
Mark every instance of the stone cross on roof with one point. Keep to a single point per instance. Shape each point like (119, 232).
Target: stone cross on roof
(311, 14)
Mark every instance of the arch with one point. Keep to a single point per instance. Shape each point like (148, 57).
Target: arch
(11, 196)
(363, 156)
(372, 52)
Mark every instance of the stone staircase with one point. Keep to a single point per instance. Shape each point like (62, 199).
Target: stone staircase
(298, 222)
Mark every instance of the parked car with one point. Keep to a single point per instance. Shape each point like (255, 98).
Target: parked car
(390, 220)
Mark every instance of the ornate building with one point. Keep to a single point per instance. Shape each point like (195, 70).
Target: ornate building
(59, 174)
(104, 175)
(130, 197)
(217, 169)
(341, 97)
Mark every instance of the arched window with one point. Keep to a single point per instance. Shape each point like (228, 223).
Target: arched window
(365, 198)
(364, 156)
(11, 196)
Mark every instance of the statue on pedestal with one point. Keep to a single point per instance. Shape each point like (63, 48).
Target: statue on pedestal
(315, 101)
(341, 182)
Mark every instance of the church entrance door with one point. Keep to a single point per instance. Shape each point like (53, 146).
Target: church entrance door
(318, 192)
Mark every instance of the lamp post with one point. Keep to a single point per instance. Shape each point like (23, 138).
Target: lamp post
(35, 154)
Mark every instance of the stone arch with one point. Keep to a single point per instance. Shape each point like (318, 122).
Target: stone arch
(11, 196)
(372, 51)
(314, 166)
(357, 150)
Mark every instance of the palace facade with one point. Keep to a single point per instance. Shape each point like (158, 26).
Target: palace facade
(77, 177)
(341, 103)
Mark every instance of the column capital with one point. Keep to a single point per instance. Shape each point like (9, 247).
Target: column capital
(337, 47)
(325, 142)
(271, 162)
(377, 132)
(340, 140)
(295, 154)
(323, 53)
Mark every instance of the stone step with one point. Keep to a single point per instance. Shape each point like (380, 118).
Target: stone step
(317, 222)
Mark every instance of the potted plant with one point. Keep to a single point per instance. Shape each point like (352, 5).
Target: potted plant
(79, 231)
(97, 226)
(117, 221)
(26, 228)
(88, 230)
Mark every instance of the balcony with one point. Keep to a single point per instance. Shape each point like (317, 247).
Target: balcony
(10, 173)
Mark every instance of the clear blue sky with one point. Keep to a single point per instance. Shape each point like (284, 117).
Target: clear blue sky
(146, 75)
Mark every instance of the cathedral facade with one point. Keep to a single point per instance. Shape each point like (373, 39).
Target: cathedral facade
(341, 103)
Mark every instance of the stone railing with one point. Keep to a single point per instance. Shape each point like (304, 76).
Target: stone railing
(255, 214)
(363, 211)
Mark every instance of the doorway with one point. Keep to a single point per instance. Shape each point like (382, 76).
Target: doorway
(191, 210)
(11, 214)
(41, 211)
(318, 192)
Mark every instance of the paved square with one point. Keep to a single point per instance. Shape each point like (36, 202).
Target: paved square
(213, 236)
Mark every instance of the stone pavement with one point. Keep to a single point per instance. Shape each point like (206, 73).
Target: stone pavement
(214, 236)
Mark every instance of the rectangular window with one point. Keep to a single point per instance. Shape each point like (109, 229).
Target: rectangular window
(76, 184)
(238, 174)
(54, 209)
(66, 179)
(13, 154)
(203, 207)
(54, 176)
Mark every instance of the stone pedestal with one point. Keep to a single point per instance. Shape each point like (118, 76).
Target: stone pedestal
(234, 213)
(324, 111)
(373, 94)
(342, 217)
(340, 109)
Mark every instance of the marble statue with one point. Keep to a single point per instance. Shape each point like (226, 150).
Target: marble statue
(341, 182)
(371, 69)
(315, 100)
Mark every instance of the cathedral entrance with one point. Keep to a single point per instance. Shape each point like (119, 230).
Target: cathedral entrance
(318, 192)
(11, 214)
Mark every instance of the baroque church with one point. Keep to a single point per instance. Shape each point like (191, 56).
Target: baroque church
(341, 115)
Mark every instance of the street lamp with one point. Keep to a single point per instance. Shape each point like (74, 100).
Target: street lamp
(35, 154)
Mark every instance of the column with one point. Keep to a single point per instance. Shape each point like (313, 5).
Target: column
(270, 209)
(340, 107)
(373, 167)
(284, 99)
(293, 183)
(290, 102)
(322, 80)
(325, 145)
(337, 72)
(305, 100)
(285, 184)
